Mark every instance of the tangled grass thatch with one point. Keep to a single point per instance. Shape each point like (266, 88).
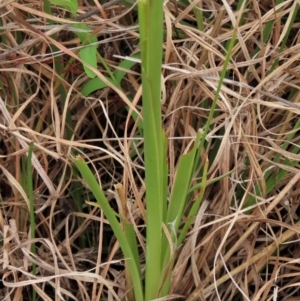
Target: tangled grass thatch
(243, 244)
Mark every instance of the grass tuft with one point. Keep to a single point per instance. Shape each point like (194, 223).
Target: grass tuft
(149, 150)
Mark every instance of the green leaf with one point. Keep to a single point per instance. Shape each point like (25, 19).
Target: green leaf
(96, 83)
(89, 53)
(125, 65)
(127, 244)
(70, 5)
(176, 208)
(181, 187)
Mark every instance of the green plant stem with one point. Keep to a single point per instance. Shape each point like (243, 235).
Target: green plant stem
(151, 39)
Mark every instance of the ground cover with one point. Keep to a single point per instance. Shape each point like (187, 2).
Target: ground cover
(149, 150)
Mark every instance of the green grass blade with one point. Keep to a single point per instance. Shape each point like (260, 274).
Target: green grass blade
(115, 225)
(176, 208)
(181, 187)
(96, 83)
(195, 207)
(222, 76)
(88, 52)
(71, 5)
(151, 38)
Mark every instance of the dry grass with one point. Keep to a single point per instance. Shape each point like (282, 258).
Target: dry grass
(229, 254)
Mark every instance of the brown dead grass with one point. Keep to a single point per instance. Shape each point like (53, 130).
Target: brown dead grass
(227, 252)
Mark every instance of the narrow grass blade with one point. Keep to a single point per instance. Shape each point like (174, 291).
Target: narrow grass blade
(181, 187)
(177, 205)
(196, 205)
(96, 83)
(151, 38)
(115, 225)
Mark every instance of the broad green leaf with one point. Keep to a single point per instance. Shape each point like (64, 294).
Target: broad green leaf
(88, 55)
(89, 52)
(96, 83)
(93, 85)
(70, 5)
